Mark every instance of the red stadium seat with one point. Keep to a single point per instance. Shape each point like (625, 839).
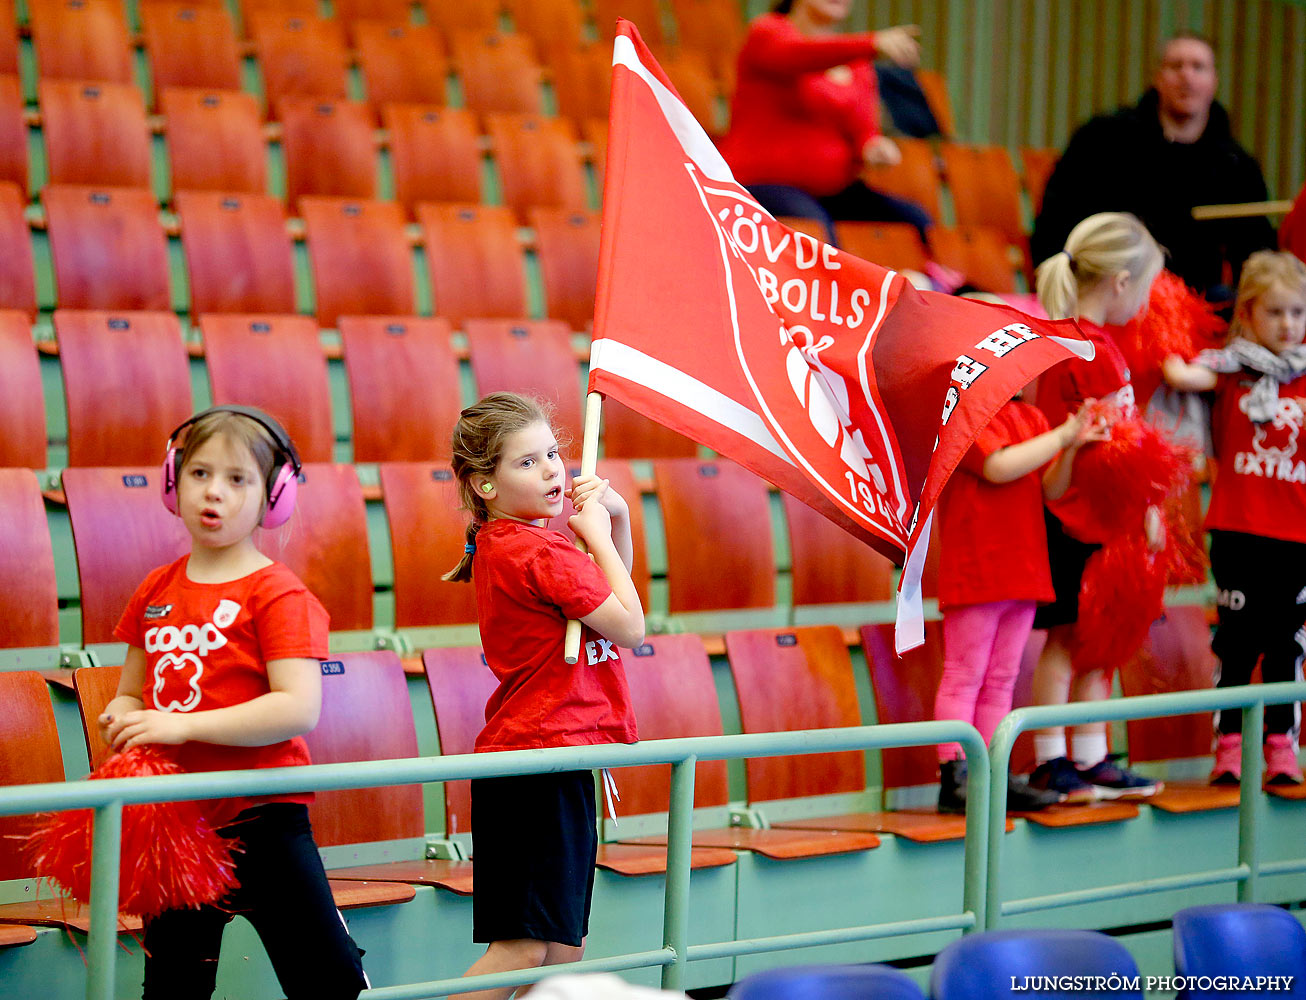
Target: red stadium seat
(101, 355)
(95, 133)
(29, 596)
(568, 246)
(1176, 657)
(81, 40)
(791, 679)
(985, 189)
(329, 149)
(904, 689)
(497, 75)
(215, 141)
(916, 178)
(8, 38)
(539, 163)
(980, 253)
(190, 45)
(551, 24)
(108, 248)
(435, 154)
(1037, 165)
(427, 534)
(29, 754)
(274, 363)
(466, 15)
(935, 88)
(595, 132)
(627, 434)
(121, 532)
(351, 12)
(22, 400)
(401, 63)
(728, 504)
(582, 80)
(895, 245)
(17, 272)
(95, 687)
(403, 387)
(532, 357)
(691, 75)
(647, 14)
(13, 132)
(238, 254)
(361, 260)
(300, 56)
(325, 543)
(830, 566)
(252, 10)
(476, 264)
(715, 27)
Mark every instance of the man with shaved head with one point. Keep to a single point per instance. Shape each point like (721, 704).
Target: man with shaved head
(1172, 150)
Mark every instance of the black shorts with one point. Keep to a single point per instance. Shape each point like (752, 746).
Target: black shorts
(1067, 558)
(534, 843)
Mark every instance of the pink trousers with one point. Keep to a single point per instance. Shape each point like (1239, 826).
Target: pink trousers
(982, 647)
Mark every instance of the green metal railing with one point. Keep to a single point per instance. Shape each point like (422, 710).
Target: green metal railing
(108, 798)
(1252, 700)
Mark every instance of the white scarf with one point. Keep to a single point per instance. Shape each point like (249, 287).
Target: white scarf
(1275, 369)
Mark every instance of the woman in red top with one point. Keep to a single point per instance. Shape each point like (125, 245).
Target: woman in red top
(804, 120)
(1257, 516)
(1102, 278)
(532, 899)
(993, 571)
(223, 651)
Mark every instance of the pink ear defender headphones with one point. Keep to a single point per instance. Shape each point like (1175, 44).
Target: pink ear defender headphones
(283, 487)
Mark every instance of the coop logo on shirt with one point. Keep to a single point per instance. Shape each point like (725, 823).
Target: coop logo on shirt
(1274, 445)
(178, 670)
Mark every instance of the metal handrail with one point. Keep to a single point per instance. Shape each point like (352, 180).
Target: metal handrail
(108, 797)
(1252, 699)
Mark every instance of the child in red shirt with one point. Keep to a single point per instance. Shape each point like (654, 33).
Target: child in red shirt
(1102, 278)
(532, 901)
(1257, 516)
(223, 667)
(993, 571)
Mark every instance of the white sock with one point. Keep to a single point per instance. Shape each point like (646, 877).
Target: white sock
(1049, 745)
(1090, 748)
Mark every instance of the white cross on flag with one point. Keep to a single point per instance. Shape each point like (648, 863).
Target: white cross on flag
(831, 377)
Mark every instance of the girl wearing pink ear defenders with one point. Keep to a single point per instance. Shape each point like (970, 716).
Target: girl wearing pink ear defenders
(223, 672)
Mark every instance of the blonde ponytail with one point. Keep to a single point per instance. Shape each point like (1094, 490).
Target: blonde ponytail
(1100, 246)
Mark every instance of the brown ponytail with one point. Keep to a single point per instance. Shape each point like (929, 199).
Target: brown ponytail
(478, 442)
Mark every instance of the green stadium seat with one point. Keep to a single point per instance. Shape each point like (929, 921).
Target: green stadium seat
(362, 265)
(126, 383)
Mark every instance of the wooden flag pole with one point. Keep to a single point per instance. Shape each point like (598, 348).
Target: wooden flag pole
(589, 460)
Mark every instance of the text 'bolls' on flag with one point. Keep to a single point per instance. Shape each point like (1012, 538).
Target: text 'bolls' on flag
(831, 377)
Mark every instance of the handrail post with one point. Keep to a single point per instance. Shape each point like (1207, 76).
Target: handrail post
(680, 832)
(1004, 738)
(1250, 802)
(979, 789)
(102, 940)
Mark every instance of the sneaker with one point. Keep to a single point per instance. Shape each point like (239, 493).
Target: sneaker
(1281, 766)
(1022, 797)
(1114, 781)
(1059, 775)
(1228, 769)
(952, 787)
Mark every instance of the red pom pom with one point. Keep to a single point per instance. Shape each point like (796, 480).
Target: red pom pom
(1177, 321)
(1121, 594)
(171, 857)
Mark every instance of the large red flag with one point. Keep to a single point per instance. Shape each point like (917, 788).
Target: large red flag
(831, 377)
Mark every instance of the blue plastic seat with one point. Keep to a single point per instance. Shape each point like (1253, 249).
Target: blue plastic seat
(827, 982)
(996, 964)
(1240, 939)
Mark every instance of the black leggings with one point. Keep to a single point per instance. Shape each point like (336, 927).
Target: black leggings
(284, 893)
(1262, 607)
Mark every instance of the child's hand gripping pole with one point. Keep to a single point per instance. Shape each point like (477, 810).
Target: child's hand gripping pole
(589, 459)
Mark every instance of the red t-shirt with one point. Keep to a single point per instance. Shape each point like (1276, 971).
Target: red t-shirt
(207, 646)
(1061, 390)
(1260, 487)
(803, 107)
(529, 582)
(993, 545)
